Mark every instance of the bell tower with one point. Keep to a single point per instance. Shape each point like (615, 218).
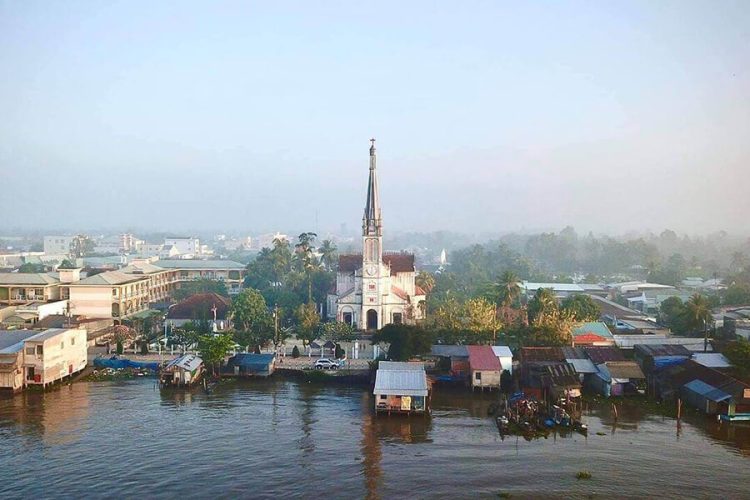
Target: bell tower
(372, 251)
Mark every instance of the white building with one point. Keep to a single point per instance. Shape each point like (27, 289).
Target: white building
(57, 245)
(374, 289)
(185, 245)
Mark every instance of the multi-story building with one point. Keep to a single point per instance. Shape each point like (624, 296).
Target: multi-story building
(20, 288)
(57, 245)
(40, 358)
(185, 245)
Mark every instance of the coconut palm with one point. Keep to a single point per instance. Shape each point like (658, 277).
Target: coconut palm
(698, 314)
(425, 281)
(543, 303)
(508, 288)
(327, 252)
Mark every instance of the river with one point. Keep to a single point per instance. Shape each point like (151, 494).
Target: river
(279, 438)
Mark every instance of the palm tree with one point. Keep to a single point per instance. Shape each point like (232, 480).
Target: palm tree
(328, 254)
(543, 303)
(508, 288)
(738, 262)
(698, 314)
(307, 260)
(425, 281)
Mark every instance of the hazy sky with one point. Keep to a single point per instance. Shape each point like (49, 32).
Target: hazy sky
(492, 115)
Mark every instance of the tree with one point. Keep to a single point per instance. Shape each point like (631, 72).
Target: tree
(305, 256)
(214, 348)
(67, 264)
(425, 281)
(328, 254)
(552, 328)
(307, 323)
(581, 307)
(200, 286)
(29, 268)
(737, 294)
(80, 246)
(698, 315)
(338, 331)
(250, 312)
(295, 352)
(673, 315)
(405, 341)
(481, 319)
(543, 303)
(738, 353)
(508, 288)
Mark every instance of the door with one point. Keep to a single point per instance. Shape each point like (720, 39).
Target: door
(372, 319)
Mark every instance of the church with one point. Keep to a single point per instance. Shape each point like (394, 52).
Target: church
(374, 288)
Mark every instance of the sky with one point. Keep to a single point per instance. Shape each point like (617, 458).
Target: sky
(489, 116)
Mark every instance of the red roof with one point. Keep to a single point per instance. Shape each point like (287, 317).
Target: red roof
(589, 338)
(201, 303)
(399, 293)
(482, 357)
(348, 263)
(418, 291)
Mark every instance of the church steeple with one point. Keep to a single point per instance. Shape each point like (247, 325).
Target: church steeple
(371, 222)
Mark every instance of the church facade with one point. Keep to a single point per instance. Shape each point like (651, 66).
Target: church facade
(374, 288)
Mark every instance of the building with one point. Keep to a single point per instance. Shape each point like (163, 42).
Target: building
(112, 294)
(457, 357)
(375, 288)
(57, 245)
(594, 333)
(653, 357)
(20, 288)
(484, 366)
(505, 356)
(250, 365)
(40, 358)
(183, 371)
(11, 359)
(230, 272)
(618, 378)
(210, 307)
(185, 245)
(401, 388)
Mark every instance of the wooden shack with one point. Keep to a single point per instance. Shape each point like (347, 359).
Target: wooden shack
(484, 366)
(401, 388)
(183, 371)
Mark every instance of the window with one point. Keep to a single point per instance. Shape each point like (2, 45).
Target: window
(73, 341)
(114, 292)
(371, 286)
(30, 373)
(39, 350)
(30, 351)
(478, 376)
(398, 318)
(383, 396)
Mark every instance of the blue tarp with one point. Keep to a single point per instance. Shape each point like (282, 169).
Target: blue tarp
(664, 361)
(115, 363)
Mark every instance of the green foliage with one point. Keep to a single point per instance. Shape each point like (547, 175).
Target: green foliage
(737, 294)
(581, 307)
(338, 331)
(120, 347)
(67, 264)
(508, 289)
(295, 352)
(584, 474)
(252, 320)
(406, 341)
(543, 303)
(81, 246)
(328, 255)
(190, 288)
(339, 352)
(471, 322)
(738, 353)
(425, 281)
(29, 268)
(307, 323)
(214, 348)
(697, 313)
(672, 313)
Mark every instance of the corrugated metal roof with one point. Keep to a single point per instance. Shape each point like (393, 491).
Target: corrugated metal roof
(187, 362)
(583, 365)
(458, 351)
(502, 351)
(481, 357)
(400, 365)
(9, 339)
(707, 391)
(401, 382)
(711, 359)
(110, 278)
(657, 350)
(593, 327)
(603, 354)
(624, 370)
(248, 360)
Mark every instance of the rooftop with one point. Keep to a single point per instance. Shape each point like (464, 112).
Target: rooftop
(482, 357)
(40, 279)
(198, 264)
(9, 339)
(109, 278)
(408, 382)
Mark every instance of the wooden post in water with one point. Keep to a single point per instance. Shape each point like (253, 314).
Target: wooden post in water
(614, 410)
(679, 409)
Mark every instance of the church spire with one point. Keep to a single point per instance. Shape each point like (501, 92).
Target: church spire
(371, 223)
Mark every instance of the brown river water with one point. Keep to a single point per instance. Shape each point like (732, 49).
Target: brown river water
(278, 438)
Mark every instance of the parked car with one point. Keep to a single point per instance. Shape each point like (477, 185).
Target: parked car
(326, 364)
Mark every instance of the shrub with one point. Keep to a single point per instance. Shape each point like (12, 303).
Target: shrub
(584, 474)
(339, 352)
(120, 347)
(144, 347)
(295, 352)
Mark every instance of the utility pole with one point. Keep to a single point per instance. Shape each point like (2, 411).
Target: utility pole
(276, 327)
